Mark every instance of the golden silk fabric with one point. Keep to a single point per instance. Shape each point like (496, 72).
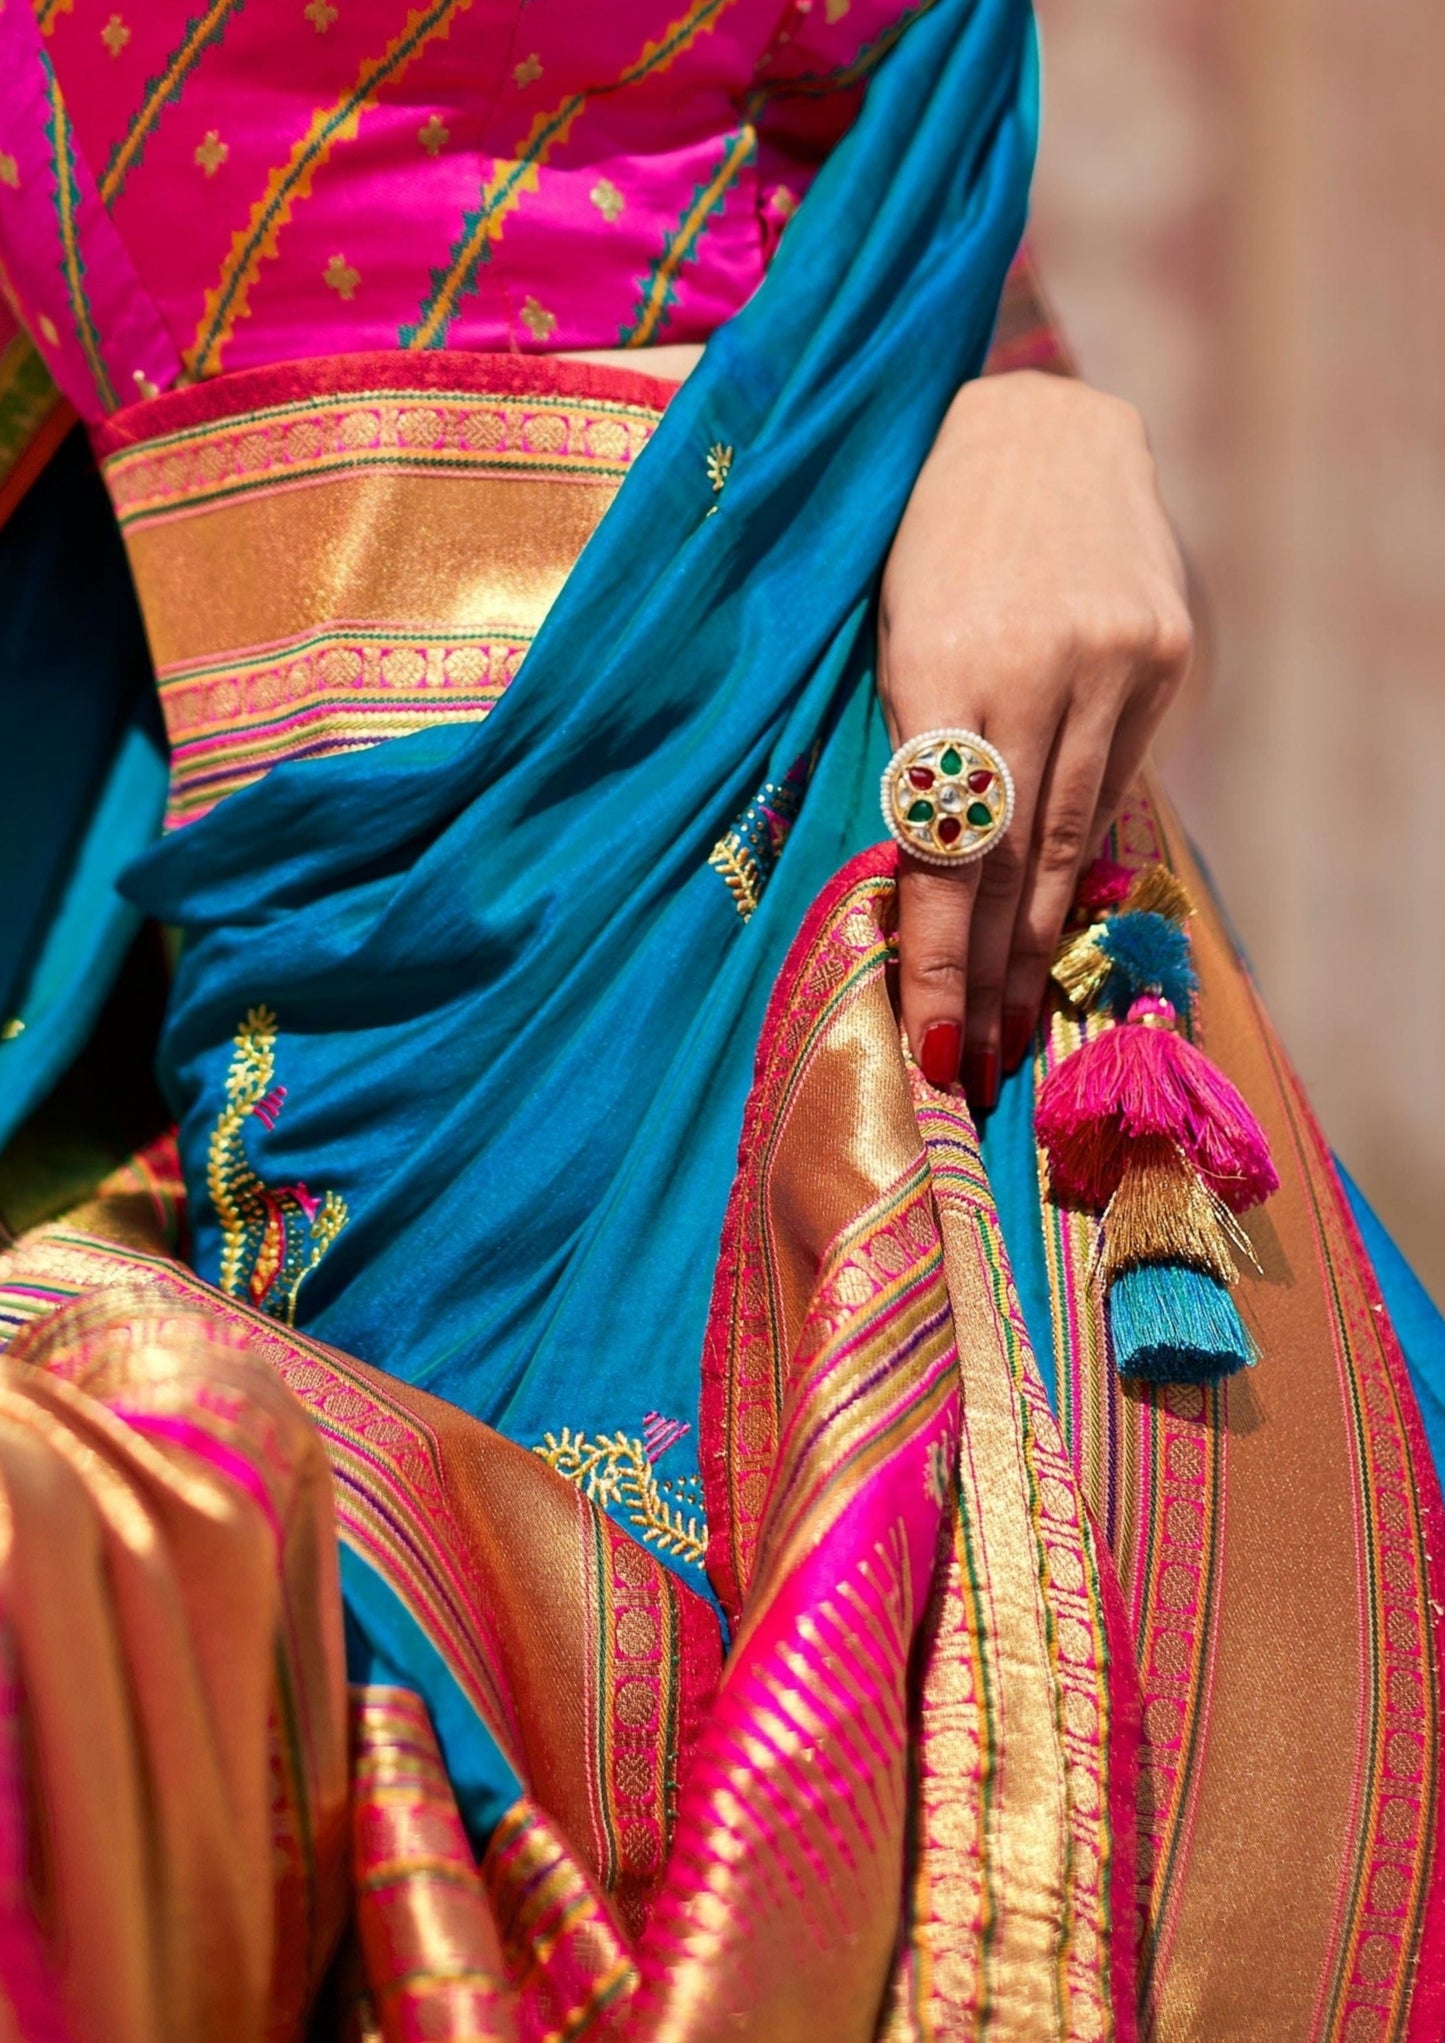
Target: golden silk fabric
(1278, 1541)
(329, 555)
(175, 1760)
(842, 1846)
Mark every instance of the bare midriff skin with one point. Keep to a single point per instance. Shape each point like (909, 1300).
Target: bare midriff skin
(1035, 594)
(673, 363)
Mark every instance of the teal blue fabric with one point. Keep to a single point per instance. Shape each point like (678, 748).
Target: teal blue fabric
(517, 1008)
(385, 1645)
(1416, 1318)
(1010, 1156)
(85, 771)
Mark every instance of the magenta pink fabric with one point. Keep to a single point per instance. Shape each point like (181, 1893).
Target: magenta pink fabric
(335, 175)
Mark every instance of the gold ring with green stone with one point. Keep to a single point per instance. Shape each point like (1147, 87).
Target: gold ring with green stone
(948, 796)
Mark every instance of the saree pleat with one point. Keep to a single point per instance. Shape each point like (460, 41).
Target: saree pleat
(175, 1782)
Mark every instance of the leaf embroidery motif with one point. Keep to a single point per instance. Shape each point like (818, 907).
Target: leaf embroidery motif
(272, 1238)
(614, 1469)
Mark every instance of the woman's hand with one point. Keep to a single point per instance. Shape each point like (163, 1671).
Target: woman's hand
(1035, 594)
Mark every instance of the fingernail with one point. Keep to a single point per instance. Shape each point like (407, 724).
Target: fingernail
(938, 1053)
(1018, 1028)
(980, 1079)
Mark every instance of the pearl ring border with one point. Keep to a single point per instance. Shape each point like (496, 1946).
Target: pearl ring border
(904, 757)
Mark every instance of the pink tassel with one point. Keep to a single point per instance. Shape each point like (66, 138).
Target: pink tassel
(1104, 886)
(1141, 1079)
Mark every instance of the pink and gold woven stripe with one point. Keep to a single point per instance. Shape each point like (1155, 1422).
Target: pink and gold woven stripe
(435, 432)
(342, 552)
(231, 720)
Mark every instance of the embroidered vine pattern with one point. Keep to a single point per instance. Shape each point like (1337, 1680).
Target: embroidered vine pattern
(618, 1470)
(272, 1237)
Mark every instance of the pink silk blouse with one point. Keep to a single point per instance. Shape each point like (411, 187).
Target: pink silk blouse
(192, 186)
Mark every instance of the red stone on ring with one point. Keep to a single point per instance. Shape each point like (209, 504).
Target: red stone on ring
(979, 781)
(921, 776)
(950, 829)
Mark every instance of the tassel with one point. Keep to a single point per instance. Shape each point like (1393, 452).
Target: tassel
(1163, 1212)
(1157, 891)
(1167, 1255)
(1083, 965)
(1140, 1080)
(1110, 965)
(1104, 886)
(1139, 1124)
(1143, 948)
(1172, 1324)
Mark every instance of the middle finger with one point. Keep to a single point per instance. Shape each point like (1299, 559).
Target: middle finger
(1000, 885)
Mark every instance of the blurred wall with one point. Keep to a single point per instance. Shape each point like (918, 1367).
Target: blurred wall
(1240, 214)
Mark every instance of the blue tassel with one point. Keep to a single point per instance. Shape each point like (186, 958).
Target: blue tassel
(1146, 953)
(1170, 1324)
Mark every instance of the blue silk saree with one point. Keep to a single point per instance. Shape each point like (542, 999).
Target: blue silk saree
(766, 1610)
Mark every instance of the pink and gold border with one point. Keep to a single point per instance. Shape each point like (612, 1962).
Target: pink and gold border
(335, 553)
(262, 429)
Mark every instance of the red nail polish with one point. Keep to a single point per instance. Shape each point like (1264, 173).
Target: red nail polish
(980, 1079)
(1018, 1029)
(938, 1053)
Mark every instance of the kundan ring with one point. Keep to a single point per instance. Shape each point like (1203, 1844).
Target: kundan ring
(948, 796)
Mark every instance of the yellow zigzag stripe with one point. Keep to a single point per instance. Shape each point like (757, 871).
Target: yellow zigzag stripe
(229, 302)
(503, 191)
(169, 82)
(689, 230)
(67, 198)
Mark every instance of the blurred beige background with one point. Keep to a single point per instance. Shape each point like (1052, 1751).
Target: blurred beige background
(1240, 215)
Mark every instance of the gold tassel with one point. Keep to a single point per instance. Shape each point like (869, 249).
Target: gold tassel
(1081, 966)
(1156, 891)
(1163, 1212)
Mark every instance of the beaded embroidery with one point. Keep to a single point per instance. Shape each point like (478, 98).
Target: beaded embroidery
(748, 854)
(272, 1237)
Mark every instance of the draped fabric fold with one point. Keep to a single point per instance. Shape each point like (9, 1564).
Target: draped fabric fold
(887, 1810)
(741, 1642)
(175, 1771)
(906, 1805)
(388, 905)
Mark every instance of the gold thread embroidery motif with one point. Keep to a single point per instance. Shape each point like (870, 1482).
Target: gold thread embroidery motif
(271, 1238)
(341, 276)
(211, 153)
(617, 1469)
(539, 322)
(608, 200)
(748, 854)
